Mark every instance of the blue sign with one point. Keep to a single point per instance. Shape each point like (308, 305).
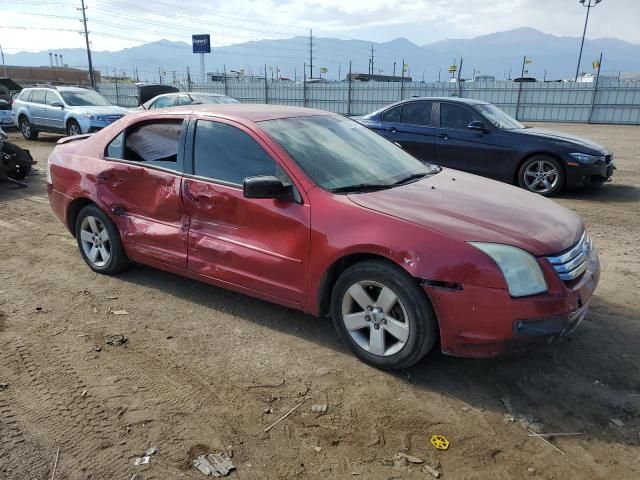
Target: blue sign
(201, 43)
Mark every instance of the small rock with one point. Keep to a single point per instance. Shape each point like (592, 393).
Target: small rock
(531, 470)
(84, 393)
(618, 423)
(112, 298)
(536, 427)
(433, 471)
(142, 460)
(94, 310)
(317, 449)
(465, 409)
(119, 312)
(410, 458)
(4, 386)
(117, 340)
(268, 410)
(151, 451)
(319, 408)
(508, 418)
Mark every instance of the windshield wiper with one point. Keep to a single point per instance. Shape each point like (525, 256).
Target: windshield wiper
(361, 188)
(413, 176)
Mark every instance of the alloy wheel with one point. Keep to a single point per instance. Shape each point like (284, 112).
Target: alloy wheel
(541, 176)
(375, 317)
(26, 129)
(74, 129)
(95, 241)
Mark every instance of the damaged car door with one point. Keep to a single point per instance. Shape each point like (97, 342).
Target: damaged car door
(141, 186)
(259, 244)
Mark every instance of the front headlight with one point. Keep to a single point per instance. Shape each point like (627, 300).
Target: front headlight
(520, 269)
(586, 158)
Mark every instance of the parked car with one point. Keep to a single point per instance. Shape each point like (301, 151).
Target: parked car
(478, 137)
(70, 110)
(6, 118)
(313, 211)
(185, 98)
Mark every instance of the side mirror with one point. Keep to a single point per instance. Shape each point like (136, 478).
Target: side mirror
(477, 125)
(56, 103)
(267, 186)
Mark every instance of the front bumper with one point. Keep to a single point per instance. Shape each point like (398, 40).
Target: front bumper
(487, 322)
(579, 175)
(91, 126)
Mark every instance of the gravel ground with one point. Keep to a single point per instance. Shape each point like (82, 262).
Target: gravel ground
(207, 369)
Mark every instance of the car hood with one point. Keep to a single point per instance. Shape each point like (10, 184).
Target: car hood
(562, 137)
(106, 110)
(472, 208)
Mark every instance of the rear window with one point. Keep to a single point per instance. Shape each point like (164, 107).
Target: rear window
(25, 96)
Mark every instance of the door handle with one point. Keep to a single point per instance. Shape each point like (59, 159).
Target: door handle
(444, 136)
(391, 129)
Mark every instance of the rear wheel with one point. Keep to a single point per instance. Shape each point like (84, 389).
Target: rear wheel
(542, 174)
(99, 241)
(73, 128)
(28, 132)
(382, 315)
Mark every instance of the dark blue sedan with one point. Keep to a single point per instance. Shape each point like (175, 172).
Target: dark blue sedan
(478, 137)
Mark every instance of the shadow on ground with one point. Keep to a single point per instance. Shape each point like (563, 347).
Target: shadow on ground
(577, 384)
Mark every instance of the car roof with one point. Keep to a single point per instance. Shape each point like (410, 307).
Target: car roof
(246, 111)
(469, 101)
(59, 89)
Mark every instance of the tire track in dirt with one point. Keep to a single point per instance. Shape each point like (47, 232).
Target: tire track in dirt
(54, 404)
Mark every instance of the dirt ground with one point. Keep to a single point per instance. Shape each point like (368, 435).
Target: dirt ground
(204, 366)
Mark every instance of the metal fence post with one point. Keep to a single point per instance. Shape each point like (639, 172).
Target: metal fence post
(595, 89)
(349, 92)
(524, 61)
(224, 72)
(117, 93)
(402, 81)
(304, 86)
(266, 87)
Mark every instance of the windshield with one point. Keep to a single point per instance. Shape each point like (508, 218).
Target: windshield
(212, 99)
(85, 99)
(499, 118)
(337, 153)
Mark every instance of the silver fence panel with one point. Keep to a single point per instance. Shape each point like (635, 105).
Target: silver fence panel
(612, 102)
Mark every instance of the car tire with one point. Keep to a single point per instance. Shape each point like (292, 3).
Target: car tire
(23, 167)
(27, 130)
(542, 174)
(395, 330)
(73, 128)
(99, 241)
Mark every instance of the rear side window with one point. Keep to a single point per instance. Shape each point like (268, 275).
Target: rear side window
(392, 115)
(416, 113)
(38, 96)
(228, 154)
(184, 100)
(26, 96)
(153, 143)
(455, 116)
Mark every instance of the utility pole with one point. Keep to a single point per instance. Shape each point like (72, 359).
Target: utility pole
(3, 65)
(310, 53)
(394, 69)
(589, 4)
(372, 61)
(92, 78)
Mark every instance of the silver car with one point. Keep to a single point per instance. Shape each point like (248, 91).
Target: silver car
(185, 98)
(70, 110)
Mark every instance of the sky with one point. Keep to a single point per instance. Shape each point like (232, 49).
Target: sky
(39, 25)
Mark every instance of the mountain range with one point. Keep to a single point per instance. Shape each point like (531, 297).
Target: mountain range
(499, 54)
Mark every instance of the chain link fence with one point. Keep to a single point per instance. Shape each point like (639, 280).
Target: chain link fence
(609, 102)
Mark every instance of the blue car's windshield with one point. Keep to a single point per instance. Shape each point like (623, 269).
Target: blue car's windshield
(499, 118)
(338, 153)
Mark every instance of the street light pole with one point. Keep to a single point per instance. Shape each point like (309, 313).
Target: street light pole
(589, 4)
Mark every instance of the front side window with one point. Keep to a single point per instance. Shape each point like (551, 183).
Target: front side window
(38, 96)
(213, 99)
(392, 115)
(456, 116)
(26, 96)
(84, 98)
(227, 154)
(338, 153)
(184, 100)
(416, 113)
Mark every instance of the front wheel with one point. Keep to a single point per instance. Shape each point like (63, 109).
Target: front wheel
(542, 174)
(99, 241)
(382, 315)
(73, 128)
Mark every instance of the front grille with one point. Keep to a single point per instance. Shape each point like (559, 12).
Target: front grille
(573, 262)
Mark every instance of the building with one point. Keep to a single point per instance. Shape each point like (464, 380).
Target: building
(55, 75)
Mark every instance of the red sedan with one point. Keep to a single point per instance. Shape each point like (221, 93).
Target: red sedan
(315, 212)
